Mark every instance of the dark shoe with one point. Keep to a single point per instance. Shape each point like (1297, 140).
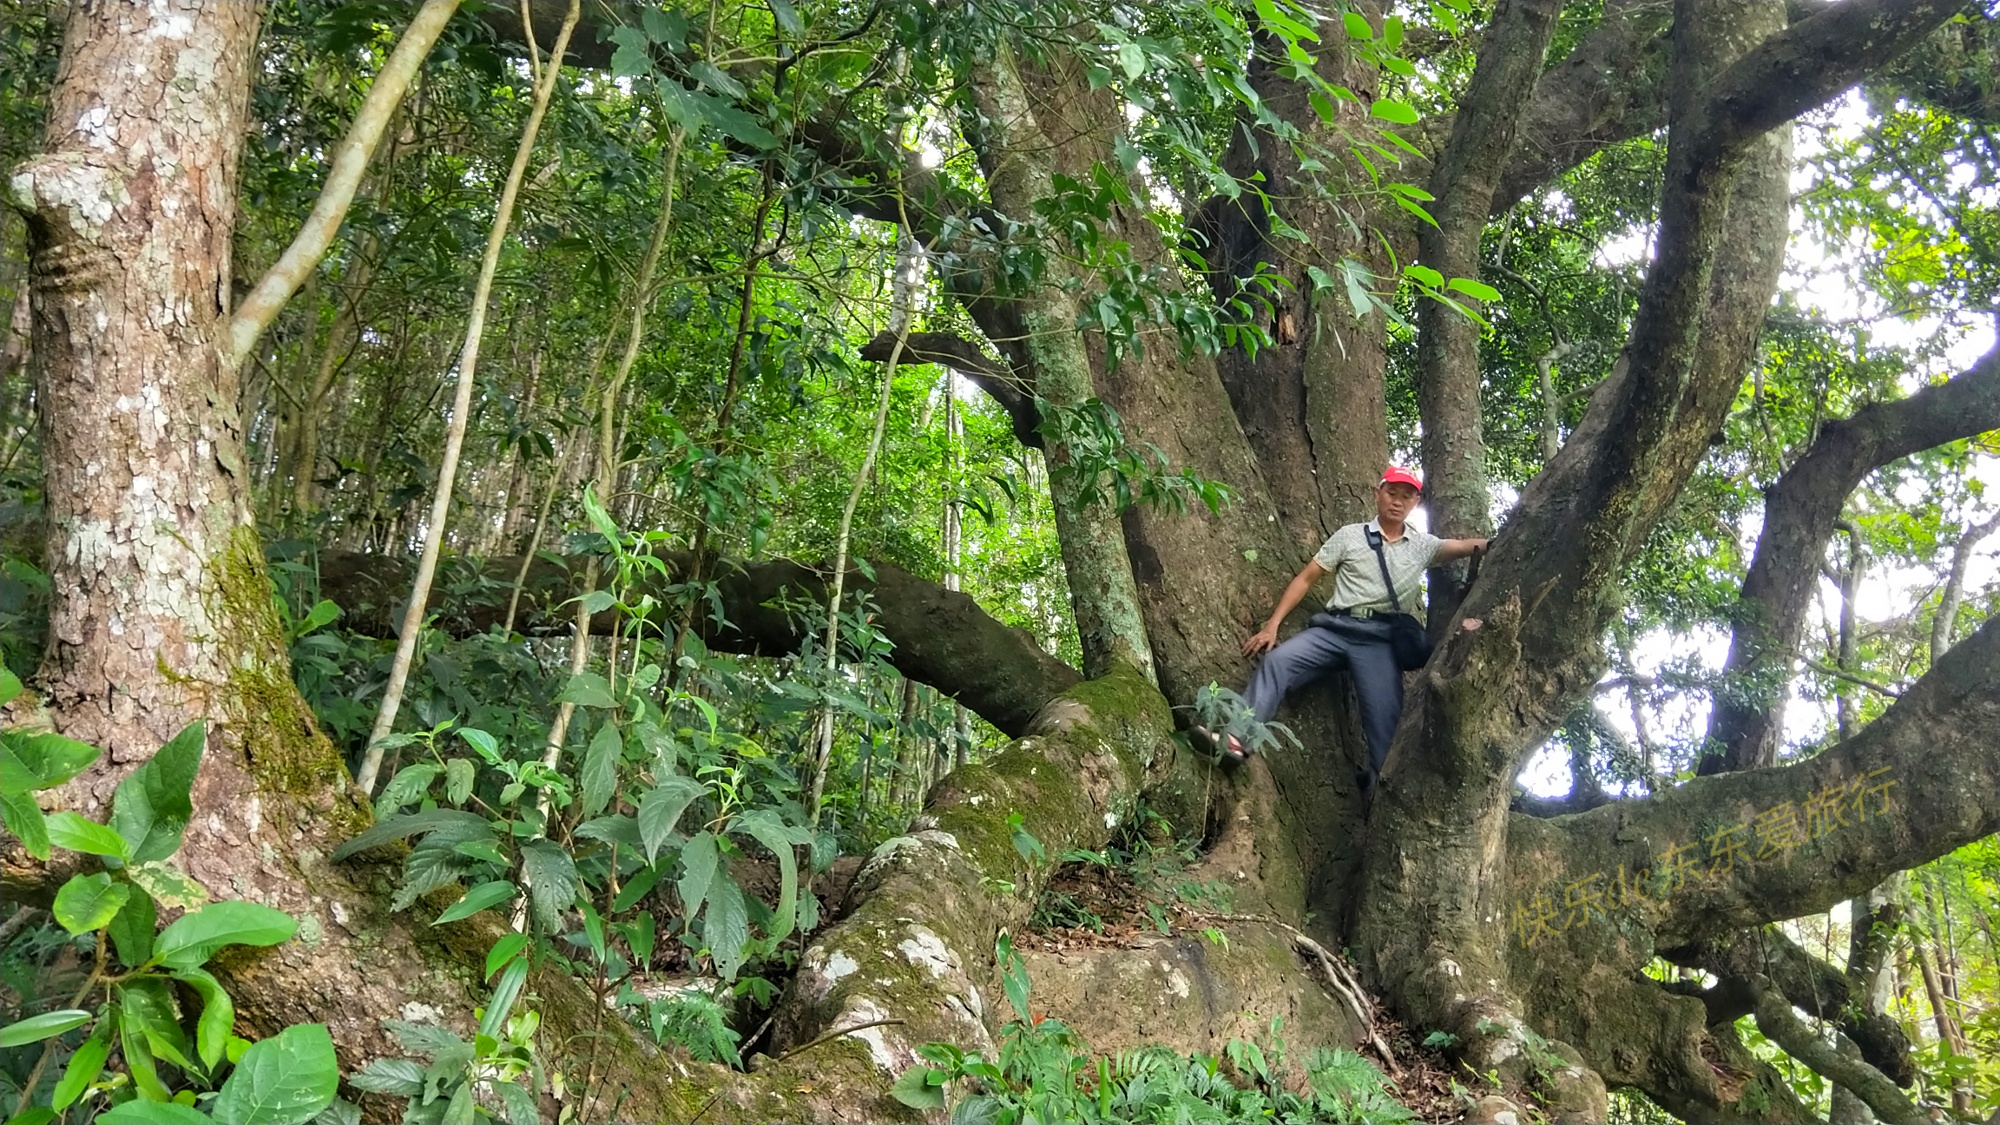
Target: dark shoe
(1232, 751)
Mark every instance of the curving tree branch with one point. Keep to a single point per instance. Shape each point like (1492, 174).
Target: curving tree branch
(1799, 514)
(941, 637)
(1014, 393)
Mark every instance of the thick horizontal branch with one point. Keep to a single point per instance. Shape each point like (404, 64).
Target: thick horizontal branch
(1808, 63)
(1611, 88)
(940, 637)
(1775, 1020)
(1742, 849)
(1808, 982)
(1800, 512)
(1012, 392)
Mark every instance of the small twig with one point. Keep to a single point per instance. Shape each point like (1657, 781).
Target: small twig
(1336, 974)
(1872, 685)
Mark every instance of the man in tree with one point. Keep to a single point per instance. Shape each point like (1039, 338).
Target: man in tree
(1354, 632)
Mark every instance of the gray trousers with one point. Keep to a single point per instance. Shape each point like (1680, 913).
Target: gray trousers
(1361, 647)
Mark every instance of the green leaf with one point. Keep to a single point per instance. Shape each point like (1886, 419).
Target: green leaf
(516, 1099)
(551, 877)
(195, 937)
(151, 808)
(1357, 26)
(1389, 109)
(487, 745)
(726, 926)
(502, 1001)
(630, 59)
(461, 1110)
(920, 1087)
(154, 1113)
(636, 887)
(588, 689)
(1424, 275)
(1132, 58)
(788, 20)
(323, 613)
(79, 834)
(406, 788)
(23, 817)
(284, 1080)
(661, 808)
(218, 1015)
(10, 686)
(599, 779)
(34, 1029)
(780, 838)
(84, 1067)
(167, 884)
(41, 761)
(89, 902)
(1473, 288)
(139, 1061)
(459, 774)
(503, 952)
(699, 859)
(132, 930)
(400, 1077)
(482, 897)
(145, 1004)
(405, 825)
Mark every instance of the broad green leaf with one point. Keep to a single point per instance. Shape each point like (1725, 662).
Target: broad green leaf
(482, 897)
(168, 884)
(1473, 288)
(89, 902)
(146, 1003)
(218, 1015)
(1132, 59)
(461, 1109)
(920, 1087)
(636, 887)
(84, 1067)
(284, 1080)
(588, 689)
(661, 808)
(154, 1113)
(139, 1061)
(407, 824)
(487, 745)
(10, 686)
(1424, 275)
(501, 1003)
(151, 808)
(787, 17)
(726, 926)
(599, 780)
(459, 774)
(400, 1077)
(629, 59)
(516, 1099)
(1389, 109)
(132, 930)
(699, 859)
(1357, 26)
(406, 788)
(617, 829)
(34, 1029)
(551, 878)
(597, 601)
(80, 834)
(780, 838)
(323, 613)
(23, 817)
(503, 952)
(41, 761)
(195, 937)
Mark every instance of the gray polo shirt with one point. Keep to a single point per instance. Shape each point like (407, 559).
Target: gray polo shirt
(1357, 577)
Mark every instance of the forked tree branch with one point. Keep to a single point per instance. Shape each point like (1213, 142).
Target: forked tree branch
(343, 179)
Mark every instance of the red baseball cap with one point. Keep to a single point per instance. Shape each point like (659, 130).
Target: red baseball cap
(1396, 474)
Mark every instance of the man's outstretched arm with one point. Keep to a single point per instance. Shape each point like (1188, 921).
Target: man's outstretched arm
(1266, 639)
(1453, 549)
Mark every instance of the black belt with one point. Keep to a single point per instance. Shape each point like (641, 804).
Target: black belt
(1357, 613)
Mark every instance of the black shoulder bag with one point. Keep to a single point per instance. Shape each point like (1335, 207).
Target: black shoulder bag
(1407, 636)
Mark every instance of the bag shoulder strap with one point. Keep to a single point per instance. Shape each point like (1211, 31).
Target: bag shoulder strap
(1375, 541)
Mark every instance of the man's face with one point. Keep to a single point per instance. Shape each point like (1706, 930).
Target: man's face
(1395, 501)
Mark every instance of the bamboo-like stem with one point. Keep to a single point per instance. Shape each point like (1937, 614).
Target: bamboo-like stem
(350, 160)
(902, 314)
(468, 365)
